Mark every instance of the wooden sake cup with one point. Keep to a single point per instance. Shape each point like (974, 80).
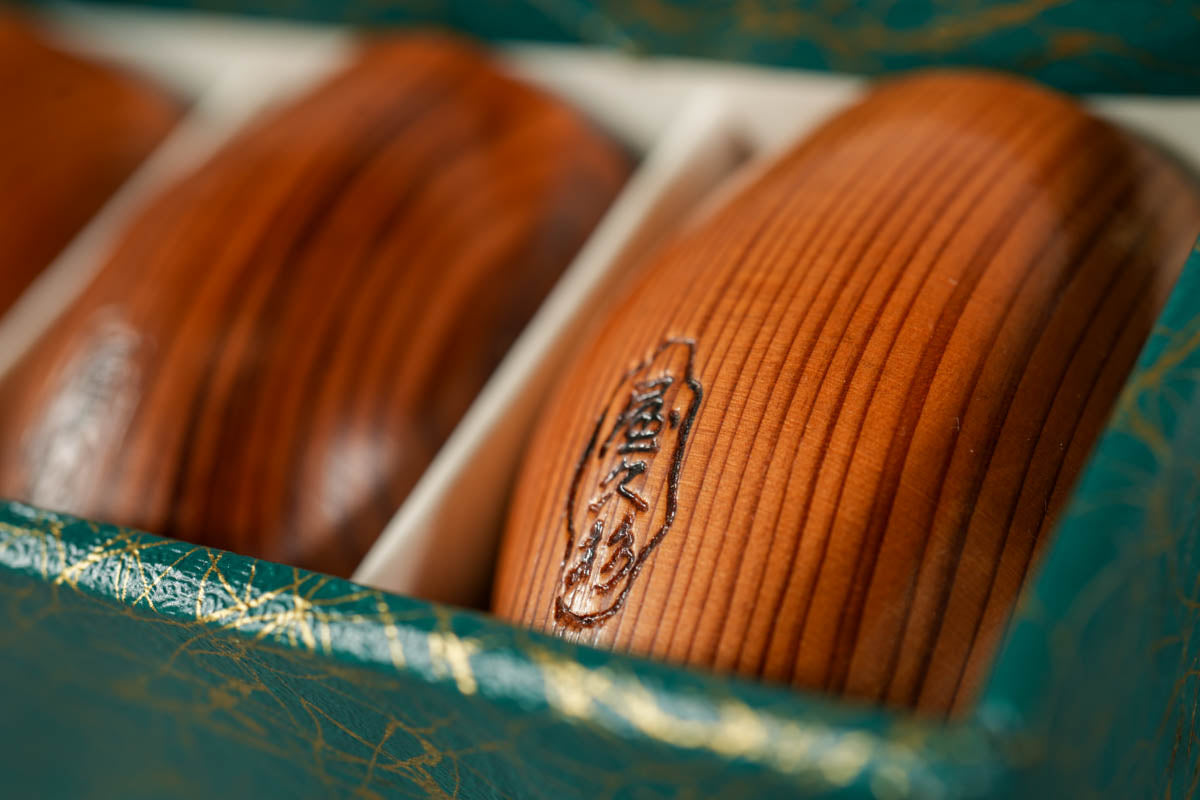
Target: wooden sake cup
(280, 342)
(71, 132)
(824, 437)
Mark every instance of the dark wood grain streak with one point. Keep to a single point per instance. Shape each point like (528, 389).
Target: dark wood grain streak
(72, 131)
(909, 333)
(281, 342)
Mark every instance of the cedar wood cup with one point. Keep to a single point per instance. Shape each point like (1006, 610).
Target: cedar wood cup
(824, 437)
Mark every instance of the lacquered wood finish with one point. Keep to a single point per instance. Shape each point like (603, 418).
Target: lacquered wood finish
(279, 345)
(895, 351)
(70, 132)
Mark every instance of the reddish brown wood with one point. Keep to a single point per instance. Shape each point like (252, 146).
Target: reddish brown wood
(70, 132)
(905, 338)
(279, 345)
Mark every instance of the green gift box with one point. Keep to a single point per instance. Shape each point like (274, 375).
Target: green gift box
(137, 666)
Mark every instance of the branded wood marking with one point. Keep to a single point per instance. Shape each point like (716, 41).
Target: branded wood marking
(612, 529)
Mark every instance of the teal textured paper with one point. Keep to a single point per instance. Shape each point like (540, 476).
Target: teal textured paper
(1076, 45)
(135, 666)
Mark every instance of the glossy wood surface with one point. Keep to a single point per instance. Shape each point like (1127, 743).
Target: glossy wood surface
(71, 131)
(280, 343)
(825, 436)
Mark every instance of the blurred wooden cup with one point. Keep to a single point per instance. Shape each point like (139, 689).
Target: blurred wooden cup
(281, 342)
(71, 132)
